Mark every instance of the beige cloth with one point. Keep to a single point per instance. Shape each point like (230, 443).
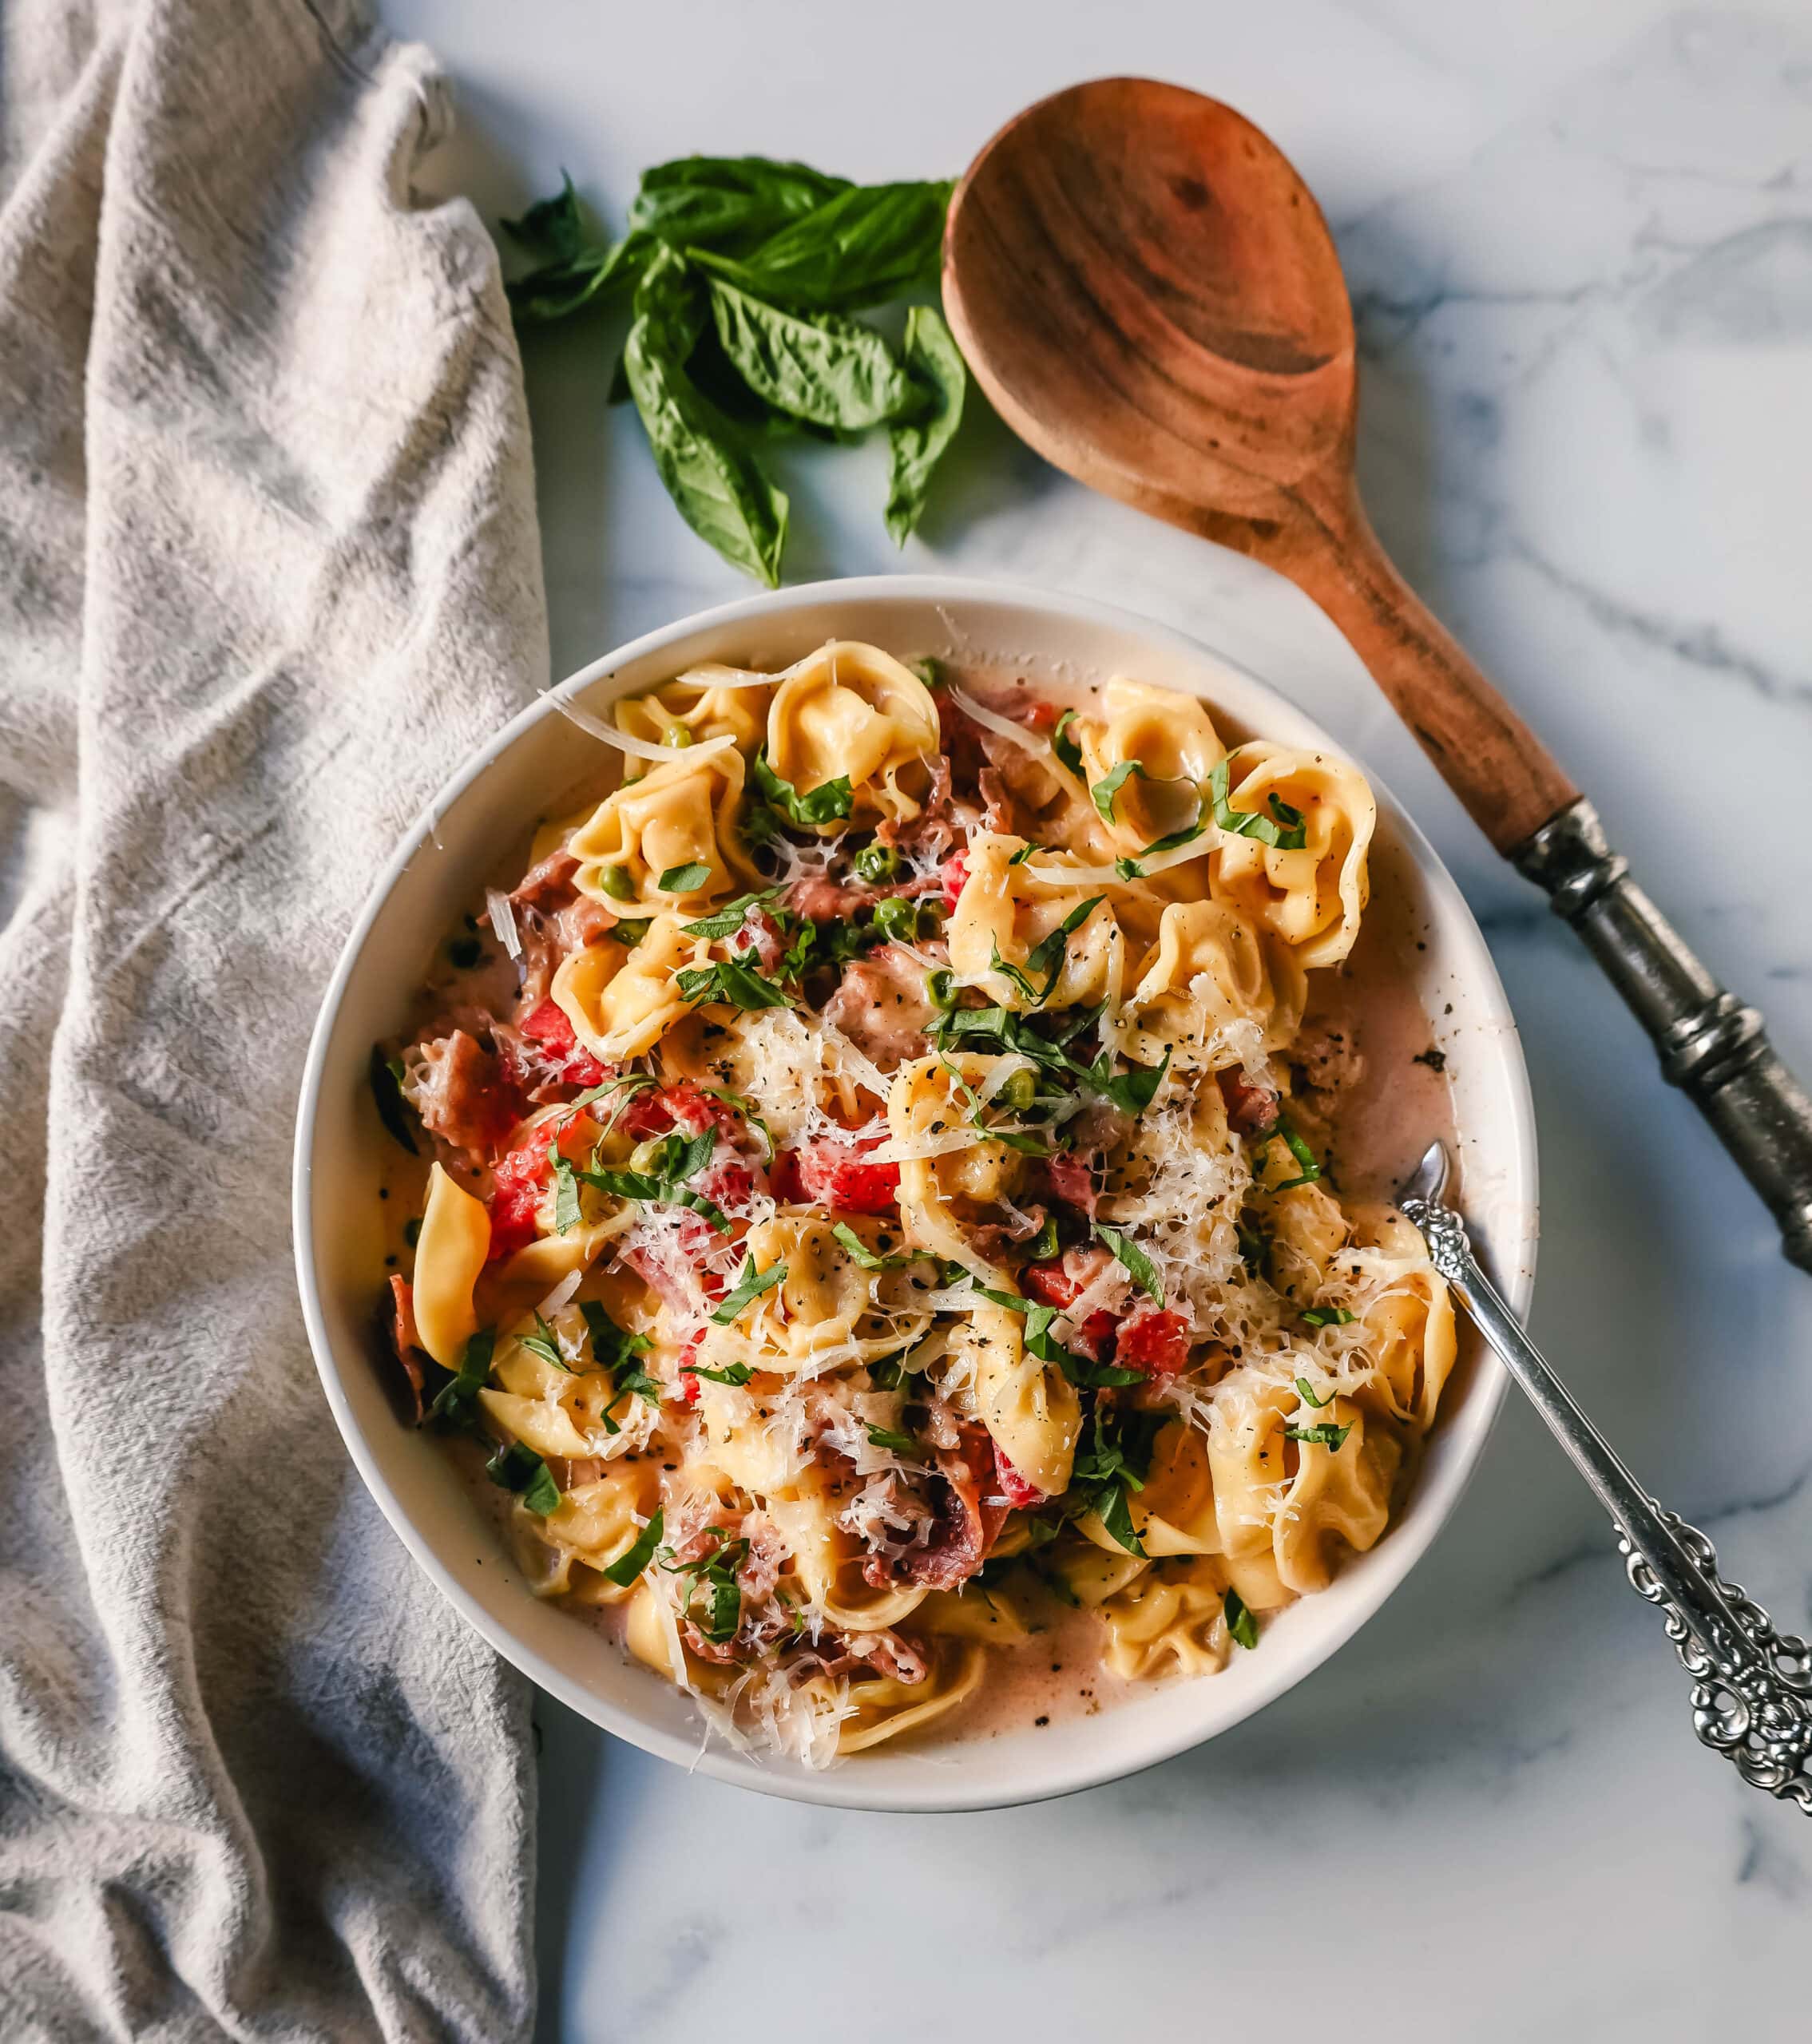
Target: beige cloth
(268, 567)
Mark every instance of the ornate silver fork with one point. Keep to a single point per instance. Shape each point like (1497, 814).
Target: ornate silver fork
(1752, 1685)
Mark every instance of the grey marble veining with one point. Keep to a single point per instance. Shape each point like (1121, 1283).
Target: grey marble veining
(1579, 238)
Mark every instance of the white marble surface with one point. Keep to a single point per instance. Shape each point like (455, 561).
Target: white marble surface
(1579, 236)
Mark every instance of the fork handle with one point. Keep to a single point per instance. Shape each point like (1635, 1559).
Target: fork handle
(1752, 1685)
(1710, 1046)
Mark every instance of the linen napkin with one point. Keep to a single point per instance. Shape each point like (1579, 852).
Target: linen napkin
(268, 567)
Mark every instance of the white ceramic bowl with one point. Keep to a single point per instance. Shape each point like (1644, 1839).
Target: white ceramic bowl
(433, 878)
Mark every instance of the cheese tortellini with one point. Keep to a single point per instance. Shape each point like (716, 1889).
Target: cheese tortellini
(901, 1222)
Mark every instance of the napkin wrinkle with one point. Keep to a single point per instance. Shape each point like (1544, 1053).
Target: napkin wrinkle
(268, 570)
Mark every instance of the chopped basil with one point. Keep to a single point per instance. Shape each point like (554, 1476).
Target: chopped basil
(516, 1467)
(1300, 1149)
(1025, 852)
(750, 1285)
(1104, 791)
(567, 1212)
(1068, 752)
(684, 879)
(1327, 1316)
(1046, 957)
(1116, 1516)
(860, 1252)
(456, 1404)
(896, 1444)
(611, 1346)
(387, 1091)
(1310, 1395)
(1043, 1245)
(714, 1574)
(735, 1375)
(545, 1343)
(733, 982)
(829, 802)
(633, 1382)
(877, 862)
(670, 1163)
(1324, 1434)
(1283, 836)
(628, 1565)
(1128, 1251)
(1240, 1622)
(727, 920)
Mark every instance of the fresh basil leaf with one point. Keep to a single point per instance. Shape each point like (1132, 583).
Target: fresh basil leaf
(1289, 818)
(1128, 870)
(735, 1375)
(387, 1091)
(1046, 957)
(1310, 1170)
(456, 1404)
(631, 1382)
(829, 802)
(1324, 1434)
(611, 1345)
(1133, 1091)
(897, 1444)
(1327, 1316)
(516, 1467)
(916, 445)
(553, 229)
(1128, 1251)
(869, 243)
(860, 1252)
(1310, 1395)
(545, 1343)
(556, 290)
(1240, 1623)
(684, 879)
(1254, 824)
(832, 372)
(628, 1565)
(1068, 752)
(732, 983)
(718, 490)
(749, 1286)
(727, 202)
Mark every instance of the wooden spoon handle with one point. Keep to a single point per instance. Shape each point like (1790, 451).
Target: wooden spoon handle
(1509, 780)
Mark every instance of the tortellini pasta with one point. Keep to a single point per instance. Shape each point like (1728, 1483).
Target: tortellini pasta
(1030, 1409)
(826, 1302)
(449, 1254)
(1213, 992)
(671, 836)
(949, 1168)
(851, 712)
(1005, 911)
(620, 1000)
(704, 702)
(1170, 1619)
(1311, 897)
(1169, 739)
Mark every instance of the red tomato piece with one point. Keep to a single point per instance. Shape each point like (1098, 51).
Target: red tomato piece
(1052, 1284)
(953, 873)
(548, 1025)
(685, 1107)
(1018, 1493)
(519, 1180)
(836, 1175)
(1153, 1340)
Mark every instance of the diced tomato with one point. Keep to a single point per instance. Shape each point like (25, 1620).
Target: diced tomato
(954, 873)
(689, 1386)
(1018, 1493)
(520, 1179)
(1052, 1284)
(548, 1025)
(1071, 1180)
(783, 1179)
(1153, 1340)
(730, 1185)
(685, 1107)
(827, 1173)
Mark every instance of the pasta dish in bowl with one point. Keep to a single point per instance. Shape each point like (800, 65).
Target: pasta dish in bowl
(885, 1206)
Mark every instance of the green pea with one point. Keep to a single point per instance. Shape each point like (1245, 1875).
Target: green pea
(618, 884)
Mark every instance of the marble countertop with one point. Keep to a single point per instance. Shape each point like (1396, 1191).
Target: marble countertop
(1579, 234)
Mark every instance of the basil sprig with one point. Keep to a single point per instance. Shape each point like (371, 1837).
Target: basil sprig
(829, 802)
(735, 1375)
(1326, 1316)
(731, 983)
(684, 879)
(742, 271)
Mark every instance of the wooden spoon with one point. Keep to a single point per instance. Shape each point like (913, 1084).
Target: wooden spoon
(1149, 295)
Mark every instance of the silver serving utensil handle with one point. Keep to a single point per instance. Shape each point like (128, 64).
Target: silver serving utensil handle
(1752, 1685)
(1710, 1046)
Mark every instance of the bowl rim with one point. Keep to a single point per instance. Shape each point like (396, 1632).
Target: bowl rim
(1411, 1536)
